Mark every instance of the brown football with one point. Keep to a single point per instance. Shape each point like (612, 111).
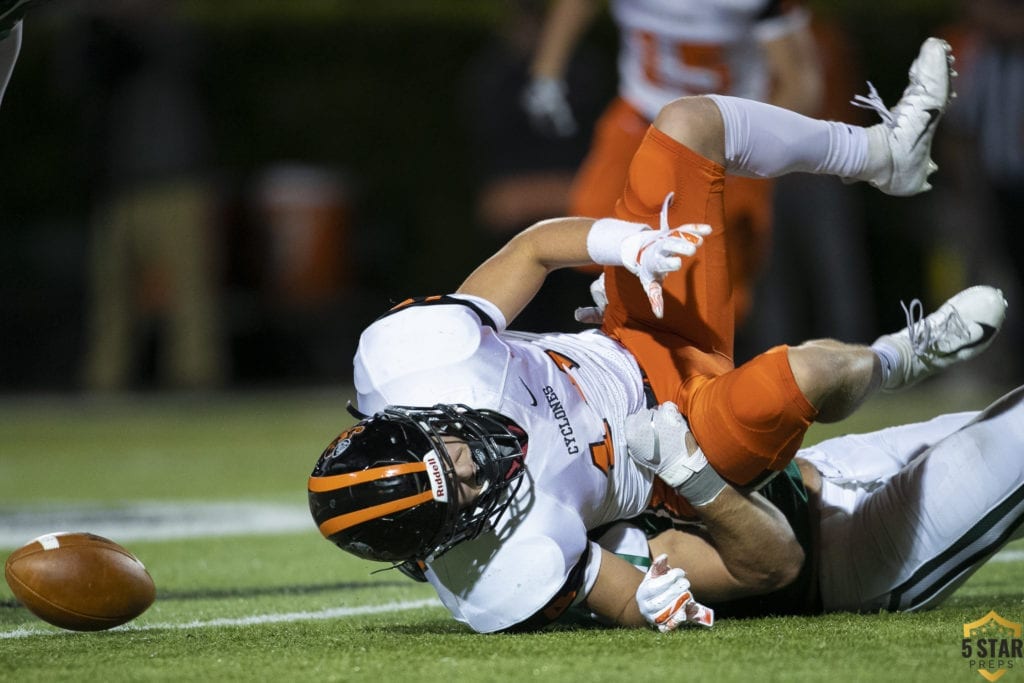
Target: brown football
(79, 581)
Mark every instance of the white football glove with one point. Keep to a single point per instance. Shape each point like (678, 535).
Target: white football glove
(665, 599)
(648, 254)
(652, 257)
(660, 440)
(545, 101)
(594, 315)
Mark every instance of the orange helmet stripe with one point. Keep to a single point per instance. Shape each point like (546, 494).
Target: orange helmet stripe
(342, 522)
(340, 481)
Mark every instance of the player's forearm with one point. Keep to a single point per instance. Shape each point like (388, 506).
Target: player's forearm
(565, 23)
(797, 80)
(803, 94)
(511, 278)
(755, 542)
(613, 597)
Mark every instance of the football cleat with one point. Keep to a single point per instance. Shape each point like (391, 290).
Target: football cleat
(960, 329)
(910, 125)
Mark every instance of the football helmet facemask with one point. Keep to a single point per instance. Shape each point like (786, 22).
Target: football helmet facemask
(386, 488)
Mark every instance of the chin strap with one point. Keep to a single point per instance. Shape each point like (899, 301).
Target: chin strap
(354, 412)
(414, 569)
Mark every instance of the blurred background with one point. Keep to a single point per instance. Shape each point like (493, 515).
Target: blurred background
(206, 195)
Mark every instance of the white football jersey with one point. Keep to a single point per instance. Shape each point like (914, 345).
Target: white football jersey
(672, 48)
(571, 394)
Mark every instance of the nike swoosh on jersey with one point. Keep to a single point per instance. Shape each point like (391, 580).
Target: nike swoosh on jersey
(533, 399)
(933, 116)
(987, 332)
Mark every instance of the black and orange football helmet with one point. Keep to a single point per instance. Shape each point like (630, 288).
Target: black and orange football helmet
(385, 489)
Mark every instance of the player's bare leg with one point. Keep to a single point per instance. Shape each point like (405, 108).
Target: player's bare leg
(836, 377)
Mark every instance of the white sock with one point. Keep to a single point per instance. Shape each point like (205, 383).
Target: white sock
(890, 358)
(764, 141)
(878, 164)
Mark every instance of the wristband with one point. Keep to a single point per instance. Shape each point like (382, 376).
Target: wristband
(693, 477)
(604, 241)
(702, 487)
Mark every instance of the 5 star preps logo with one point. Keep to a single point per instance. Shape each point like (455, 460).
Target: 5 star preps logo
(992, 645)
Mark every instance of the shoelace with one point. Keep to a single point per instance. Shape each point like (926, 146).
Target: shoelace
(874, 101)
(922, 334)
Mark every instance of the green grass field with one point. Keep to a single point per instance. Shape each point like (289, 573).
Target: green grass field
(255, 601)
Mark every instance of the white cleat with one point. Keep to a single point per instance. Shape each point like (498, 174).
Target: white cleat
(960, 329)
(910, 125)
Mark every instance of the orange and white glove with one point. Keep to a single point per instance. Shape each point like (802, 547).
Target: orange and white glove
(648, 254)
(665, 599)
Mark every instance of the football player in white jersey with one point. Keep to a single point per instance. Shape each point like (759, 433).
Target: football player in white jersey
(755, 49)
(490, 458)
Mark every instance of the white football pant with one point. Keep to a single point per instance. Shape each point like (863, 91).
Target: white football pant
(909, 513)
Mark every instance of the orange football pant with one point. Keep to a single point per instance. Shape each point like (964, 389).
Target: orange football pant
(748, 419)
(748, 201)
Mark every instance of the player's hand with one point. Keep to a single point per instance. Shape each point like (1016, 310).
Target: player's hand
(594, 315)
(545, 101)
(651, 255)
(659, 439)
(665, 599)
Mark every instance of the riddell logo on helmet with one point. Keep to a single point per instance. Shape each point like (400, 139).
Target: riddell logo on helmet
(437, 483)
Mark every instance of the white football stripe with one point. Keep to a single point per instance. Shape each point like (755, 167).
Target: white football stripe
(154, 521)
(49, 541)
(256, 619)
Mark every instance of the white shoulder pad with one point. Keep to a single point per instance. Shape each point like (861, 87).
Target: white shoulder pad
(491, 584)
(425, 355)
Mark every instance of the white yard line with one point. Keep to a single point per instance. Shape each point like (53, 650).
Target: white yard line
(155, 521)
(1008, 556)
(256, 619)
(151, 521)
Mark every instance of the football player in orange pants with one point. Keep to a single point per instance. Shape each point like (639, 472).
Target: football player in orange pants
(457, 407)
(761, 50)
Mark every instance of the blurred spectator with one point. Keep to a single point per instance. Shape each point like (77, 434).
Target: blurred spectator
(153, 259)
(978, 202)
(667, 49)
(818, 280)
(525, 175)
